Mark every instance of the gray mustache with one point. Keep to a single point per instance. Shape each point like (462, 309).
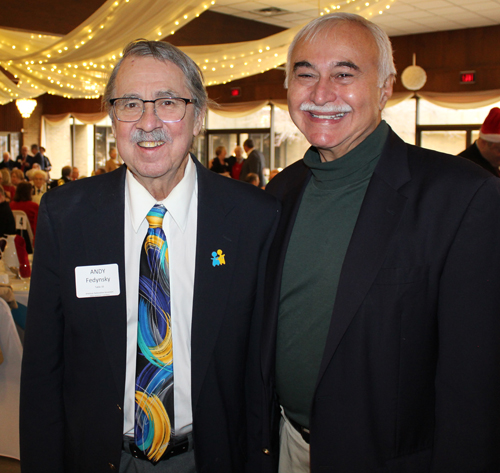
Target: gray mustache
(158, 134)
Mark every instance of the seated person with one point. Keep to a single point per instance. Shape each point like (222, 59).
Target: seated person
(218, 164)
(7, 222)
(75, 174)
(16, 176)
(23, 201)
(65, 177)
(39, 183)
(8, 188)
(113, 162)
(253, 179)
(7, 163)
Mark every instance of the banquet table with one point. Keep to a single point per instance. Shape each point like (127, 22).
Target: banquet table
(10, 373)
(21, 289)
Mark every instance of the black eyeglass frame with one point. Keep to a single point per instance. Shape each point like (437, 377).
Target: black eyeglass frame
(186, 101)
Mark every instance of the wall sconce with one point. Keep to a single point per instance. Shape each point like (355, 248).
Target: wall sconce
(26, 106)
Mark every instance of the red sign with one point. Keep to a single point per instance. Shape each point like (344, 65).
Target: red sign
(468, 77)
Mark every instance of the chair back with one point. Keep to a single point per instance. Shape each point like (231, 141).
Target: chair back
(24, 226)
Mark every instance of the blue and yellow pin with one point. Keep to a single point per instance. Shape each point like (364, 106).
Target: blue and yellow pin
(218, 258)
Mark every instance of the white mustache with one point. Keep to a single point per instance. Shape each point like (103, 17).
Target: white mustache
(325, 109)
(158, 134)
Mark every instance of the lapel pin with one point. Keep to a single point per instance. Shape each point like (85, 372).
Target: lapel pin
(218, 259)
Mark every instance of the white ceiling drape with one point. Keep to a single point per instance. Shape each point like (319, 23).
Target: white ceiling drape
(77, 65)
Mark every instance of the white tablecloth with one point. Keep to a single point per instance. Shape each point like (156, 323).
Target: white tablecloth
(21, 288)
(10, 373)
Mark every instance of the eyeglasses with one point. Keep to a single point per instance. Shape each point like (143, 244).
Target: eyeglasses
(167, 109)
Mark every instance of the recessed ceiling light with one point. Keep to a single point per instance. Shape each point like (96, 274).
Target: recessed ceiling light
(271, 11)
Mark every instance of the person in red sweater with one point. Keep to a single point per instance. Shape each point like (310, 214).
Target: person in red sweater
(22, 201)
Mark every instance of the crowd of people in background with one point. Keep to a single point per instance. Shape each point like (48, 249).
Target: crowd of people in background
(26, 179)
(251, 170)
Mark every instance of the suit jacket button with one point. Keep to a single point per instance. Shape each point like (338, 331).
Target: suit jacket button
(111, 466)
(266, 451)
(119, 407)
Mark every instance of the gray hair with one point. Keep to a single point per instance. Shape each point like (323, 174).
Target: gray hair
(386, 67)
(39, 172)
(164, 52)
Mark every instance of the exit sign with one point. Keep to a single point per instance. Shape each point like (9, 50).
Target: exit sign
(235, 92)
(468, 77)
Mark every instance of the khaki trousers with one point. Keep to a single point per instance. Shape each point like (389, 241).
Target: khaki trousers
(294, 451)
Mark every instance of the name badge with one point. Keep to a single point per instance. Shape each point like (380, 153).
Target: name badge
(97, 281)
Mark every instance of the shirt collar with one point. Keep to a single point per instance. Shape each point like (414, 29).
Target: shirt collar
(177, 202)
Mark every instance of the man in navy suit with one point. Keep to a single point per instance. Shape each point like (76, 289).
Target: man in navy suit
(37, 157)
(78, 395)
(381, 345)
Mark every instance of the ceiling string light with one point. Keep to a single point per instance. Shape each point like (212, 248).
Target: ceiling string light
(77, 65)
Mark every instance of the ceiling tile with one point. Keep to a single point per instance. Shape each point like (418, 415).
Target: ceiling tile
(415, 15)
(450, 10)
(401, 7)
(460, 2)
(431, 4)
(404, 16)
(478, 6)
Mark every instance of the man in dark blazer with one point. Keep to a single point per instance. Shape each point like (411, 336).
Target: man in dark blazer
(485, 151)
(24, 161)
(78, 376)
(37, 157)
(254, 162)
(381, 343)
(7, 163)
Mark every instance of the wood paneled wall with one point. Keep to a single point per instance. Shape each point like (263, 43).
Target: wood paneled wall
(445, 54)
(47, 16)
(10, 118)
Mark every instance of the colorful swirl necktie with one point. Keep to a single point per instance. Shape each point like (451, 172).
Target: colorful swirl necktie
(154, 389)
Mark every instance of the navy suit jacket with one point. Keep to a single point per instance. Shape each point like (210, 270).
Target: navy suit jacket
(409, 381)
(254, 163)
(73, 374)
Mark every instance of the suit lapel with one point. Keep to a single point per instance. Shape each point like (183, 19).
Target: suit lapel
(104, 244)
(379, 216)
(210, 297)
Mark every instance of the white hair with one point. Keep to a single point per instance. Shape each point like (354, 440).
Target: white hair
(386, 67)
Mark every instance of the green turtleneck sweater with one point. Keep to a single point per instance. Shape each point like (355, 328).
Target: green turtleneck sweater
(318, 244)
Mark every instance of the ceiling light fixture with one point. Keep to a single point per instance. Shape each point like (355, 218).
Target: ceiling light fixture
(26, 107)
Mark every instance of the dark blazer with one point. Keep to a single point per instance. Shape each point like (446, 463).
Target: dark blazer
(38, 159)
(7, 221)
(410, 380)
(73, 373)
(10, 165)
(473, 154)
(254, 163)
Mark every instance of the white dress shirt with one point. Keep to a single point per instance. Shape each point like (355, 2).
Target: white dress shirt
(179, 225)
(37, 193)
